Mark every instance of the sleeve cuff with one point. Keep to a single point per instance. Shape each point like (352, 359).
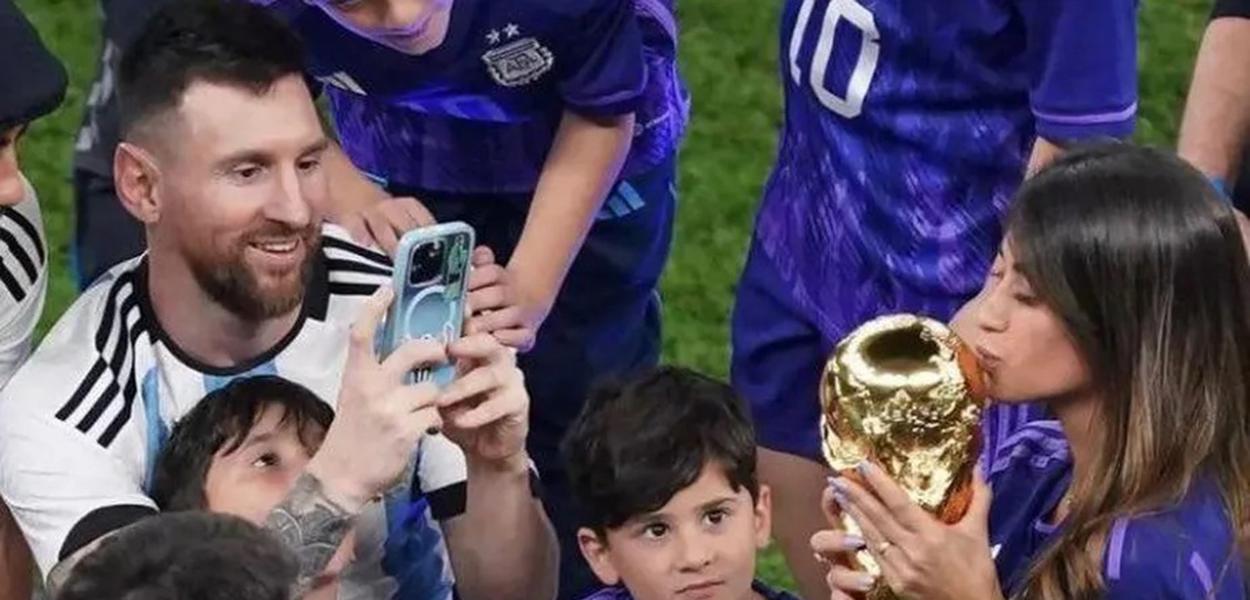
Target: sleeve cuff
(618, 108)
(1064, 127)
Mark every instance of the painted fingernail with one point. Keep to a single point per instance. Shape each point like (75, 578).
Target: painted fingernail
(853, 542)
(864, 467)
(840, 498)
(839, 485)
(863, 582)
(820, 558)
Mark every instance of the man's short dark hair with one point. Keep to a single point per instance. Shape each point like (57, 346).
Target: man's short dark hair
(185, 556)
(229, 42)
(221, 422)
(636, 445)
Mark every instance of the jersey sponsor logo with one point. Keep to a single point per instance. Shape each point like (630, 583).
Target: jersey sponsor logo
(518, 62)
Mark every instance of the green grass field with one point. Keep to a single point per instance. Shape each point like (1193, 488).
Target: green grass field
(729, 50)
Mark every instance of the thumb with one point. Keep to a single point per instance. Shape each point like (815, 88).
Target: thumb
(978, 516)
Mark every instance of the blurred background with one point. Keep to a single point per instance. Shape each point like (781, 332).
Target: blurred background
(729, 58)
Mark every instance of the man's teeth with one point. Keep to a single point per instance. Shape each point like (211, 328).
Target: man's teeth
(277, 247)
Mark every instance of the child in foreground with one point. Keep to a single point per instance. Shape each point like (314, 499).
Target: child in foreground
(663, 471)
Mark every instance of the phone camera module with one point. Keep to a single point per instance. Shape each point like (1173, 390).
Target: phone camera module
(427, 264)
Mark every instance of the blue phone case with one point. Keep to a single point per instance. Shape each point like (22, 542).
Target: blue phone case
(430, 281)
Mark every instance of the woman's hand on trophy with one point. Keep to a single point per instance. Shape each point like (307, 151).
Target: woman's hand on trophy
(831, 546)
(920, 557)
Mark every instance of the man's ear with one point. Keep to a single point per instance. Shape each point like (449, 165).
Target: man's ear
(135, 176)
(763, 517)
(595, 550)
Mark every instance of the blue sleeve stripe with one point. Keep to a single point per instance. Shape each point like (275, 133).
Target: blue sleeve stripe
(1088, 119)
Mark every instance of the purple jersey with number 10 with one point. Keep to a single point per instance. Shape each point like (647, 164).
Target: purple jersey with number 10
(908, 125)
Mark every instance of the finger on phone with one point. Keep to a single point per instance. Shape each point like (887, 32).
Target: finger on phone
(495, 408)
(508, 317)
(412, 398)
(356, 228)
(382, 231)
(472, 385)
(482, 256)
(479, 346)
(488, 298)
(366, 325)
(486, 275)
(420, 215)
(518, 338)
(412, 355)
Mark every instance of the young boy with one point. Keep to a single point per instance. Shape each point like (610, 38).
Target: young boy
(663, 471)
(186, 556)
(240, 451)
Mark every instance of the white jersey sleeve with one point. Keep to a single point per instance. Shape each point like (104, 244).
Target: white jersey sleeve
(23, 280)
(72, 462)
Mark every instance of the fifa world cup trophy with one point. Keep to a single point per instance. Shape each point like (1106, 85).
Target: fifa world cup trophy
(905, 393)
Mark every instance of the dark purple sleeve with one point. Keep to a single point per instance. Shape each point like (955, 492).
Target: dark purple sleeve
(1083, 64)
(603, 72)
(1231, 8)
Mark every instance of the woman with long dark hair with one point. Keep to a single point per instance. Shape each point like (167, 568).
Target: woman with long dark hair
(1120, 301)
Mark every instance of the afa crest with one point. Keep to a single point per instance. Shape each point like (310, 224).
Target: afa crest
(519, 63)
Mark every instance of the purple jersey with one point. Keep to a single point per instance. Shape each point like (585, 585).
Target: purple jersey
(1182, 552)
(478, 114)
(908, 125)
(620, 593)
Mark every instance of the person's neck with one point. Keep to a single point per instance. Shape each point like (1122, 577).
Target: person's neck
(199, 326)
(1077, 416)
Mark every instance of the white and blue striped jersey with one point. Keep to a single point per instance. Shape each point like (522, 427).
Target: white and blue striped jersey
(82, 422)
(23, 280)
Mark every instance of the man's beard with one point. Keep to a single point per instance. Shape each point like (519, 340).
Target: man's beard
(233, 284)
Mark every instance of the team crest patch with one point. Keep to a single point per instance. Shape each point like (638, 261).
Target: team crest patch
(519, 63)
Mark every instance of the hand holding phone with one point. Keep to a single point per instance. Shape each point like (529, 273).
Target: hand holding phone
(430, 282)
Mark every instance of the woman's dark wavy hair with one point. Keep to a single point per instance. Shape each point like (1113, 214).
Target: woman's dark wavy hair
(1144, 263)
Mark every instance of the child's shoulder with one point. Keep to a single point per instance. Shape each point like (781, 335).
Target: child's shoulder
(769, 593)
(610, 593)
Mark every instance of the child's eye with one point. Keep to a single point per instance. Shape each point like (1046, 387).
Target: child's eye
(655, 531)
(716, 516)
(267, 459)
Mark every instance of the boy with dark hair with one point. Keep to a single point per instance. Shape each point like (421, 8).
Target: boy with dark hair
(663, 470)
(241, 450)
(186, 556)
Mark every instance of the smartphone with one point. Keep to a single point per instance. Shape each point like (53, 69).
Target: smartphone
(430, 280)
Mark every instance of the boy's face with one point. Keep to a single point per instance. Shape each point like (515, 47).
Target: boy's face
(701, 545)
(11, 188)
(258, 475)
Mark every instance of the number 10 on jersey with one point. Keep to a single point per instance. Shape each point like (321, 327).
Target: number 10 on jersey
(856, 15)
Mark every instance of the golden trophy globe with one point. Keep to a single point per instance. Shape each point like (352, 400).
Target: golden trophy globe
(905, 393)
